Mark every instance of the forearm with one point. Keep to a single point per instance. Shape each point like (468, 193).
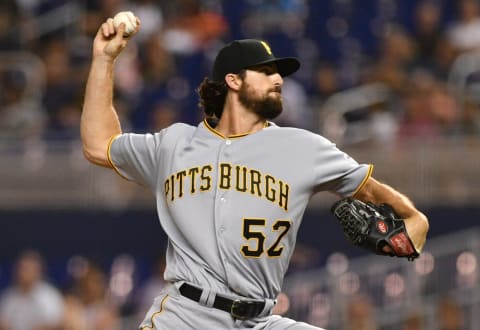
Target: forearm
(415, 221)
(378, 193)
(99, 121)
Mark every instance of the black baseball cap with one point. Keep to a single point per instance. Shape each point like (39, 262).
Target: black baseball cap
(245, 53)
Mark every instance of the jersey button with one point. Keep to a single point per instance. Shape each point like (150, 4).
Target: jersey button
(223, 199)
(228, 142)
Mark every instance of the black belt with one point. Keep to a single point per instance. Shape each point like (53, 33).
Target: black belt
(241, 309)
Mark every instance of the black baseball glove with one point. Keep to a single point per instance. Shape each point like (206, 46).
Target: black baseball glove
(374, 227)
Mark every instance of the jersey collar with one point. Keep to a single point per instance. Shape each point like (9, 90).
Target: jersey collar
(210, 124)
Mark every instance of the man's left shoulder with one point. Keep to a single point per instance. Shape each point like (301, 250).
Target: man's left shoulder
(296, 133)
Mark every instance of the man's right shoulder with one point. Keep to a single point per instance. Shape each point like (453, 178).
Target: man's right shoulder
(181, 126)
(179, 129)
(174, 131)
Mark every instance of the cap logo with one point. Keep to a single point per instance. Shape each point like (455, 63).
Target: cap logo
(267, 47)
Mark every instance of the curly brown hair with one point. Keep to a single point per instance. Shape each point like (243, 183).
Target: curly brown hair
(212, 95)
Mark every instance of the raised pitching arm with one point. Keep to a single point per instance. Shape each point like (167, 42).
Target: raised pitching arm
(99, 120)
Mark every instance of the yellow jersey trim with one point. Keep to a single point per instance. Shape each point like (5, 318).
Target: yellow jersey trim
(154, 315)
(365, 179)
(211, 129)
(109, 158)
(214, 131)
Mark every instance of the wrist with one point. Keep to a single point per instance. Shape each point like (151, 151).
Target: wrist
(417, 228)
(103, 59)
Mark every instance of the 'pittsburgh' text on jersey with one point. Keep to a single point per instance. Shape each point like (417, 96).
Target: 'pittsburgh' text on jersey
(238, 177)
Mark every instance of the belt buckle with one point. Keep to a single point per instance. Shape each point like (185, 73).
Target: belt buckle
(243, 309)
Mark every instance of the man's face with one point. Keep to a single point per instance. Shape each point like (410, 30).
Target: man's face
(28, 272)
(261, 91)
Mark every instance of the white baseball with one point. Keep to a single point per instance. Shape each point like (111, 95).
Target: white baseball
(128, 18)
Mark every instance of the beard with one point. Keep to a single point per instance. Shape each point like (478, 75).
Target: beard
(266, 106)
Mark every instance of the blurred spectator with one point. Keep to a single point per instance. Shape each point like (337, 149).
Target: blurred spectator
(87, 306)
(427, 29)
(151, 16)
(360, 313)
(429, 110)
(30, 303)
(21, 116)
(192, 27)
(464, 31)
(444, 56)
(296, 108)
(108, 8)
(10, 32)
(414, 322)
(62, 92)
(128, 72)
(383, 124)
(469, 119)
(396, 55)
(303, 258)
(445, 109)
(157, 66)
(325, 83)
(123, 105)
(91, 19)
(163, 114)
(316, 306)
(417, 117)
(364, 114)
(449, 315)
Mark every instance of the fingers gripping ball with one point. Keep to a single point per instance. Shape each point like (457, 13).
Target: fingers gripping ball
(374, 227)
(127, 18)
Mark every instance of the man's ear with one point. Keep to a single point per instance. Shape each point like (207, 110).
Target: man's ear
(233, 81)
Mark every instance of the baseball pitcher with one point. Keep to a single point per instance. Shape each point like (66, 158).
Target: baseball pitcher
(231, 191)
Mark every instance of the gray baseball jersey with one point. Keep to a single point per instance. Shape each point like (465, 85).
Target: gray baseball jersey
(232, 206)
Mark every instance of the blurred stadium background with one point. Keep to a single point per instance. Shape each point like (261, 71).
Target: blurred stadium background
(393, 82)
